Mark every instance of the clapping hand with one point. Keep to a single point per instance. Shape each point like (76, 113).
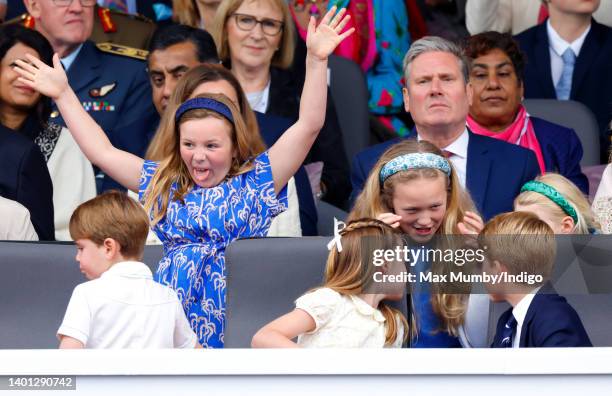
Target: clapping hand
(322, 40)
(49, 81)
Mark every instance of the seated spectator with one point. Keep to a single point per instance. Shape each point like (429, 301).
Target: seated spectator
(25, 178)
(177, 49)
(518, 243)
(344, 313)
(122, 306)
(559, 203)
(568, 58)
(195, 13)
(16, 224)
(109, 81)
(496, 111)
(515, 16)
(255, 39)
(602, 204)
(27, 112)
(437, 96)
(377, 46)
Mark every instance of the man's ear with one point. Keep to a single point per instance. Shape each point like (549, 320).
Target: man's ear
(406, 99)
(470, 93)
(33, 7)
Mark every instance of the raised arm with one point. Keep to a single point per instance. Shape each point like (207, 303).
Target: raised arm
(288, 153)
(53, 82)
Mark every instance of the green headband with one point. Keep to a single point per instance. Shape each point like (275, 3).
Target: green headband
(552, 194)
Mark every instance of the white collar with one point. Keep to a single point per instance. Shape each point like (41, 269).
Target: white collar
(559, 45)
(68, 60)
(366, 309)
(520, 310)
(458, 147)
(129, 269)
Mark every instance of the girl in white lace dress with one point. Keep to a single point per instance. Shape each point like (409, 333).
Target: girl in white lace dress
(348, 311)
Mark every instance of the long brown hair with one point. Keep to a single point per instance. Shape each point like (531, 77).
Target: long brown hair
(377, 198)
(345, 272)
(160, 146)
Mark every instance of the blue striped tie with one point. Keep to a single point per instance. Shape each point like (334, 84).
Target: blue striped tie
(508, 333)
(564, 86)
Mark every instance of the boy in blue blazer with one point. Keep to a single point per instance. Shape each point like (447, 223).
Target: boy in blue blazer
(519, 244)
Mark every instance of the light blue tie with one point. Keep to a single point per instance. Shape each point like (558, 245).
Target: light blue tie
(564, 86)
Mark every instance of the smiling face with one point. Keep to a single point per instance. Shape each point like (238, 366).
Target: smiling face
(253, 48)
(65, 27)
(422, 205)
(436, 94)
(207, 150)
(497, 90)
(93, 260)
(14, 94)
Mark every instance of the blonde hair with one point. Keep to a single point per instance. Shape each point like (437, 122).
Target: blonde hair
(376, 199)
(112, 215)
(161, 144)
(172, 169)
(282, 58)
(345, 272)
(520, 241)
(186, 13)
(572, 194)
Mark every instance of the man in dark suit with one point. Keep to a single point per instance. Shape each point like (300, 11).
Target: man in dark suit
(569, 57)
(25, 178)
(438, 97)
(110, 81)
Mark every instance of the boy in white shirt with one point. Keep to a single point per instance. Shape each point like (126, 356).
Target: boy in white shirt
(121, 306)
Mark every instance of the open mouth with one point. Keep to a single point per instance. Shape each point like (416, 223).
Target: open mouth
(423, 230)
(201, 173)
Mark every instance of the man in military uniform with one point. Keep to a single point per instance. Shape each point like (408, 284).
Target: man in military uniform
(110, 25)
(110, 80)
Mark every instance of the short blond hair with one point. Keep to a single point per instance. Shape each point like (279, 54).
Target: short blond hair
(112, 215)
(282, 58)
(520, 241)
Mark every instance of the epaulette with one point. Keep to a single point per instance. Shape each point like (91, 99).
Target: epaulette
(24, 19)
(118, 49)
(108, 24)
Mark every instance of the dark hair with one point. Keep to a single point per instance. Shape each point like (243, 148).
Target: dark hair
(483, 43)
(10, 35)
(167, 36)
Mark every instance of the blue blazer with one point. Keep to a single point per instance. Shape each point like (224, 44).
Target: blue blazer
(24, 177)
(591, 82)
(495, 172)
(272, 127)
(550, 322)
(562, 151)
(129, 119)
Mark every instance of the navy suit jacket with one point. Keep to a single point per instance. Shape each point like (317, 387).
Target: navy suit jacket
(128, 117)
(495, 172)
(25, 178)
(550, 322)
(562, 151)
(591, 81)
(272, 127)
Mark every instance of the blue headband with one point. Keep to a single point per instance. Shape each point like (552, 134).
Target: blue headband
(204, 103)
(414, 161)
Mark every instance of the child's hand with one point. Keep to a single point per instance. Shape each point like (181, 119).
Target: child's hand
(390, 219)
(49, 81)
(322, 40)
(471, 224)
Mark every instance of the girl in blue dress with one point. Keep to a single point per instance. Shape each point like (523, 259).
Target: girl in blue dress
(211, 189)
(413, 187)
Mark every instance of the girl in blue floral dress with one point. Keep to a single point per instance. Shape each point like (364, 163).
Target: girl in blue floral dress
(212, 189)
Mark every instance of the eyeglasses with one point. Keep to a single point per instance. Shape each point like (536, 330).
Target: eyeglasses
(66, 3)
(271, 27)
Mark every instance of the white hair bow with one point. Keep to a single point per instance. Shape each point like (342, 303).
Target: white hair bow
(338, 226)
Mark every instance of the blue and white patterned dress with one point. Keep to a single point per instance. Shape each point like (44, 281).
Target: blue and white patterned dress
(195, 234)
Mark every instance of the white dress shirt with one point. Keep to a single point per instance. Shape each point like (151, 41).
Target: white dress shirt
(68, 60)
(459, 151)
(519, 312)
(557, 47)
